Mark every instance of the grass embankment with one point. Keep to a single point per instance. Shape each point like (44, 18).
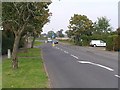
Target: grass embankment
(30, 74)
(66, 42)
(37, 43)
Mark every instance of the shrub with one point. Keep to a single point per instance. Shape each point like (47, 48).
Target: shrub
(112, 43)
(8, 41)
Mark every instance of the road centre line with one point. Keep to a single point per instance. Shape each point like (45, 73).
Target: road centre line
(56, 47)
(74, 56)
(117, 76)
(105, 67)
(65, 52)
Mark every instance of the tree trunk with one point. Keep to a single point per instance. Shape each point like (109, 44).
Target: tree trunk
(33, 42)
(14, 53)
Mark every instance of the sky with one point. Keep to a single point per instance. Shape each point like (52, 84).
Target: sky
(63, 10)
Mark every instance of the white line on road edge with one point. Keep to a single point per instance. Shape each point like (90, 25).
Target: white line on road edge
(65, 52)
(117, 76)
(74, 56)
(86, 62)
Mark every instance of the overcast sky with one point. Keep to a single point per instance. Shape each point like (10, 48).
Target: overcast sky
(62, 10)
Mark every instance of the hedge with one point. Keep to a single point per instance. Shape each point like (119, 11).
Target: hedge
(8, 41)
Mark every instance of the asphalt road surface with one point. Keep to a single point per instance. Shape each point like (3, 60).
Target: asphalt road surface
(80, 67)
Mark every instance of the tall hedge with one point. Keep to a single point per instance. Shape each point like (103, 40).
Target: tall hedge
(113, 43)
(8, 41)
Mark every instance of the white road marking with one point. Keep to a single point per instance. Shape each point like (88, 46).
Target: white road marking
(65, 52)
(74, 56)
(117, 76)
(105, 67)
(56, 47)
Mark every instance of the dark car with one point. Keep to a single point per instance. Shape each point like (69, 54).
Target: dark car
(55, 41)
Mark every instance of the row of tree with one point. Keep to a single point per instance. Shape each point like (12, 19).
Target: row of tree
(24, 19)
(82, 30)
(52, 34)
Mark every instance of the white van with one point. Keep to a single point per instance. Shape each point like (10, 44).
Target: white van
(98, 43)
(49, 40)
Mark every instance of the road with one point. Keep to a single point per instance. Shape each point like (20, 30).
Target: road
(71, 66)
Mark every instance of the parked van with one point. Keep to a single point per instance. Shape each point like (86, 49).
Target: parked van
(98, 43)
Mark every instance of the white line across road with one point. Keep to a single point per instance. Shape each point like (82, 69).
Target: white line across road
(117, 76)
(105, 67)
(74, 56)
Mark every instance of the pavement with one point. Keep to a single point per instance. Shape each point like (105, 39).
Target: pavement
(70, 66)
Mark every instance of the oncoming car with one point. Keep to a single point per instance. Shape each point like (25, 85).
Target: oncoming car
(55, 41)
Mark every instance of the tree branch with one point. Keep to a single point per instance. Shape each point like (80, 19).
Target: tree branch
(30, 10)
(14, 21)
(16, 8)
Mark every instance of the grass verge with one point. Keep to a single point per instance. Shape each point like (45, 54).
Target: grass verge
(67, 42)
(37, 43)
(30, 74)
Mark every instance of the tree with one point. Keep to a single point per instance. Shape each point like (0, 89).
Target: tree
(79, 25)
(69, 33)
(102, 26)
(51, 34)
(19, 15)
(60, 34)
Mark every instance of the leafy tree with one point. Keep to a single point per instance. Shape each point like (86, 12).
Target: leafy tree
(19, 15)
(79, 25)
(69, 33)
(51, 34)
(102, 26)
(59, 33)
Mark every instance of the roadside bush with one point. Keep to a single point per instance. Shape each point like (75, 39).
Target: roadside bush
(85, 40)
(113, 43)
(117, 43)
(8, 41)
(99, 37)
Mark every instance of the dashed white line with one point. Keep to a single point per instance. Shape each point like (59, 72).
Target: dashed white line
(74, 56)
(57, 48)
(105, 67)
(65, 52)
(117, 76)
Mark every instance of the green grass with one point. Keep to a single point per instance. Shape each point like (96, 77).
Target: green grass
(32, 52)
(66, 41)
(30, 74)
(37, 43)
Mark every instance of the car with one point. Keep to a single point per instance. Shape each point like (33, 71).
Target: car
(55, 41)
(49, 40)
(98, 43)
